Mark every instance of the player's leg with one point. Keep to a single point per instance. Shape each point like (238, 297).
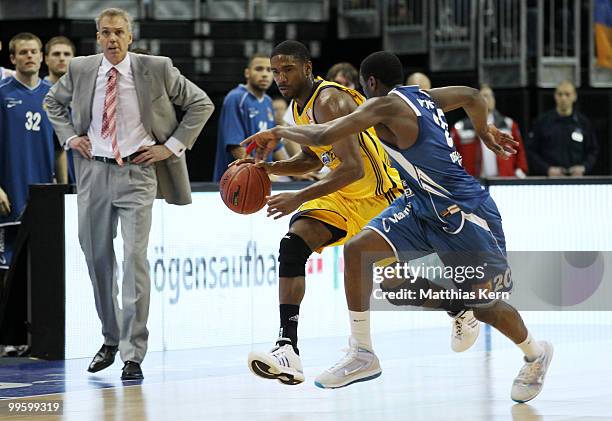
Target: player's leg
(282, 362)
(360, 363)
(537, 355)
(483, 232)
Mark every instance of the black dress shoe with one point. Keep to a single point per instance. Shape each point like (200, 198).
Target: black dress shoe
(104, 358)
(131, 371)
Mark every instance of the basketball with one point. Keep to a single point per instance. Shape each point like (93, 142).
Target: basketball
(244, 188)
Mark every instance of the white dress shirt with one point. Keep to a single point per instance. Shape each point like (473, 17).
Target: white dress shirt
(131, 134)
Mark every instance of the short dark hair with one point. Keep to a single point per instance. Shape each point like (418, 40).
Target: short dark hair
(254, 56)
(60, 39)
(384, 66)
(23, 36)
(291, 48)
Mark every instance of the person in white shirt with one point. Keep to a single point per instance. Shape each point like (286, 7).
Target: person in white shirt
(128, 146)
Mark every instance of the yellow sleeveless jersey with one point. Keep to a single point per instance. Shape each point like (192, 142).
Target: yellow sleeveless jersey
(379, 178)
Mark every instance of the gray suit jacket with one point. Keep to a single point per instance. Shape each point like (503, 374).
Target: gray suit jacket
(159, 85)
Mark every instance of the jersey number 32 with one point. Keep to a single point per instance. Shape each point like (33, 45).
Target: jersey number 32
(32, 121)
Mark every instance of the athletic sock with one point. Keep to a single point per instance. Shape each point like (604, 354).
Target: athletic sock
(289, 315)
(360, 328)
(531, 348)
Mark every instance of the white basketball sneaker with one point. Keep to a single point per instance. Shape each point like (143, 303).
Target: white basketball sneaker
(465, 331)
(358, 365)
(281, 363)
(530, 380)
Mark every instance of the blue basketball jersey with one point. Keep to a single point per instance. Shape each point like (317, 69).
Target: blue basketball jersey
(432, 167)
(26, 142)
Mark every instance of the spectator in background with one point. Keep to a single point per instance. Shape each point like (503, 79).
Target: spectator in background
(59, 51)
(4, 72)
(26, 135)
(247, 109)
(345, 74)
(419, 79)
(562, 141)
(480, 161)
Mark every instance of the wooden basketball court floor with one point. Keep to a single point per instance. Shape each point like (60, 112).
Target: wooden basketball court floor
(422, 380)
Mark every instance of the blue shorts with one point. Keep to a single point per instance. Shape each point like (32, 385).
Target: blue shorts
(461, 240)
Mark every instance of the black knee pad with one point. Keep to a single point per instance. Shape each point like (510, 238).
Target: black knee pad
(292, 256)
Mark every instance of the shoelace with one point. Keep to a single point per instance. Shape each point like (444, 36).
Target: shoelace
(529, 371)
(350, 354)
(459, 326)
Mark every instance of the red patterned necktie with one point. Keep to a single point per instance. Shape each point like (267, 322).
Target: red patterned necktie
(109, 117)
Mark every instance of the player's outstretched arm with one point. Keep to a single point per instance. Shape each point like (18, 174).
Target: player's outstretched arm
(370, 113)
(303, 162)
(452, 97)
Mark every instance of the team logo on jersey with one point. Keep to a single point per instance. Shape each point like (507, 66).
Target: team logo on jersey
(253, 112)
(11, 102)
(328, 157)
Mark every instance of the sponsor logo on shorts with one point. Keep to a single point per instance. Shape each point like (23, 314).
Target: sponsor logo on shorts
(396, 218)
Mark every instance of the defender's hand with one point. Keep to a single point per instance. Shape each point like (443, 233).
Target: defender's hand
(263, 143)
(502, 144)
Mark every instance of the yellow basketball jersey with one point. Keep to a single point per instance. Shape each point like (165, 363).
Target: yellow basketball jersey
(379, 177)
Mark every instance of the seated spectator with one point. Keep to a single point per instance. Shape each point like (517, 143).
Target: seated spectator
(26, 135)
(562, 141)
(419, 79)
(345, 74)
(247, 109)
(480, 161)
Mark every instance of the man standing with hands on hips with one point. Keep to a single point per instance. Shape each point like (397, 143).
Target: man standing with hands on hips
(128, 146)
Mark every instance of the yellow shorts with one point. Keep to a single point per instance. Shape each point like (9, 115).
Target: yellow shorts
(349, 215)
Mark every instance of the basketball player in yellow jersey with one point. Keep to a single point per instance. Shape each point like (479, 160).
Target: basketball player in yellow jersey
(360, 184)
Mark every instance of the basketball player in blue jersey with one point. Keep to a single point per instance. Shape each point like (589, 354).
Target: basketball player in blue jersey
(247, 109)
(444, 211)
(26, 135)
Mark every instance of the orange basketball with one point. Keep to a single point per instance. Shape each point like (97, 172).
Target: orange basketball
(244, 188)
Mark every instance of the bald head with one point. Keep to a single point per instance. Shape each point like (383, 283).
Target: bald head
(419, 79)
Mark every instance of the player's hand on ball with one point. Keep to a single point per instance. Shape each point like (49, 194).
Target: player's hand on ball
(283, 204)
(263, 143)
(267, 166)
(5, 204)
(502, 144)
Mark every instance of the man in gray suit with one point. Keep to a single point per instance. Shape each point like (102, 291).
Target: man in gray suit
(122, 123)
